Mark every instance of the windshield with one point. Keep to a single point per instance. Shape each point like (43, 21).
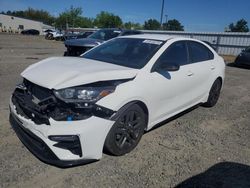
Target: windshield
(128, 52)
(105, 34)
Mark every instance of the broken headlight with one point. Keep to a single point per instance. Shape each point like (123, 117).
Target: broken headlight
(84, 94)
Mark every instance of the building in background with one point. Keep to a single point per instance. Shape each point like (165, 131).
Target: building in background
(12, 24)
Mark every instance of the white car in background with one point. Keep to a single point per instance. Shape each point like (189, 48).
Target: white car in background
(68, 109)
(54, 34)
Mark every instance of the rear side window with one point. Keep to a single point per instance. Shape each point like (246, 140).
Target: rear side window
(176, 53)
(198, 52)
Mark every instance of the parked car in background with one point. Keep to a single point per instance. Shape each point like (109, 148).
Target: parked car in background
(54, 34)
(76, 47)
(46, 31)
(30, 32)
(67, 110)
(78, 35)
(243, 58)
(49, 30)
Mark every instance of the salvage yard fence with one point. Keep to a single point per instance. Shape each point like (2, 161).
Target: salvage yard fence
(225, 43)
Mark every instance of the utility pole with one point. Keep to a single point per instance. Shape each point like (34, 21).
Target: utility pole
(162, 8)
(166, 18)
(166, 23)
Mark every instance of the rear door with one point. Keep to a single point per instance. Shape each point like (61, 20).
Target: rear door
(202, 67)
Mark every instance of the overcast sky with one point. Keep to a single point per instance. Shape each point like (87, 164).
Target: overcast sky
(195, 15)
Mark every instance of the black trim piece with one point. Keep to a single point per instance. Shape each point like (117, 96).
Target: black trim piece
(37, 147)
(103, 112)
(68, 142)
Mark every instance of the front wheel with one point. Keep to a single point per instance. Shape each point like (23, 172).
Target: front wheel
(126, 132)
(214, 94)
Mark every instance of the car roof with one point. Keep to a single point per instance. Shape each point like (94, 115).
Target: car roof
(162, 37)
(151, 36)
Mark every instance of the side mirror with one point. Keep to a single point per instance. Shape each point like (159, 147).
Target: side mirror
(172, 67)
(168, 67)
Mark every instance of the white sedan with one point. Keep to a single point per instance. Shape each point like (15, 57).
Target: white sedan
(68, 109)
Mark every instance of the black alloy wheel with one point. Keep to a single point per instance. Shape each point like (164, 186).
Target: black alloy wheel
(126, 131)
(214, 94)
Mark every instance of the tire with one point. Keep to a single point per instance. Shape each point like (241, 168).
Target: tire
(214, 94)
(126, 132)
(50, 37)
(65, 53)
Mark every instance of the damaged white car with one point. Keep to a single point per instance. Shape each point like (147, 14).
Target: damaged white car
(68, 109)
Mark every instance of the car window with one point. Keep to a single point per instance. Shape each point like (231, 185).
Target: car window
(105, 34)
(128, 52)
(176, 53)
(198, 52)
(116, 49)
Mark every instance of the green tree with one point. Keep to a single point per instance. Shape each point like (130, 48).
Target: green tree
(73, 18)
(240, 26)
(152, 24)
(131, 25)
(173, 25)
(107, 20)
(86, 22)
(70, 17)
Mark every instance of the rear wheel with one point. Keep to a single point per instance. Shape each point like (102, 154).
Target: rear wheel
(126, 132)
(214, 94)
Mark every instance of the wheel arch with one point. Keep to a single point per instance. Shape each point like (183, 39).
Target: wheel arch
(220, 78)
(127, 105)
(221, 81)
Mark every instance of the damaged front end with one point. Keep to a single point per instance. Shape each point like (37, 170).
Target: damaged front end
(40, 104)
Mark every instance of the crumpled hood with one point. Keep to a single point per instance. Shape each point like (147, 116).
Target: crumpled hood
(63, 72)
(85, 42)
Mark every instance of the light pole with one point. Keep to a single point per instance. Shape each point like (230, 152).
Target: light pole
(166, 23)
(166, 18)
(162, 8)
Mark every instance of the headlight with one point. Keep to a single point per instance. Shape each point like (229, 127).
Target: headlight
(84, 94)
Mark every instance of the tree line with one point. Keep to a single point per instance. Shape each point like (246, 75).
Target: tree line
(72, 17)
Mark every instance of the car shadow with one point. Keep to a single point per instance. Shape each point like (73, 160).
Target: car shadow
(224, 174)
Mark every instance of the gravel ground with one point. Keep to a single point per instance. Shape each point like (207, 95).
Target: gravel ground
(201, 148)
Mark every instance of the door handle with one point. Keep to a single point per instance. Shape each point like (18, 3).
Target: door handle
(212, 67)
(190, 73)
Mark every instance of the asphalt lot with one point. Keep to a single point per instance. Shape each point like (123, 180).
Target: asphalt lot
(206, 146)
